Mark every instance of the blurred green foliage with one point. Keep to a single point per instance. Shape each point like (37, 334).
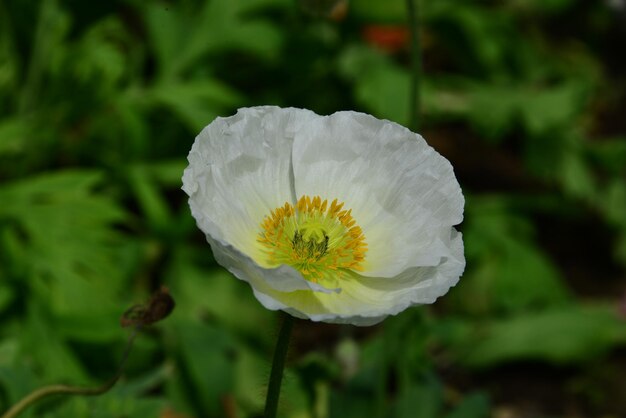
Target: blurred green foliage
(99, 105)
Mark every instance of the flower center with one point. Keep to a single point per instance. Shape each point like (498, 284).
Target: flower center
(313, 237)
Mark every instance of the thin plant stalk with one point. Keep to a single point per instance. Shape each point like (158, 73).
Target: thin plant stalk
(278, 365)
(416, 65)
(51, 390)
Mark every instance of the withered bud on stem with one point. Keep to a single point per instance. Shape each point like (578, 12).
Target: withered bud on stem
(160, 305)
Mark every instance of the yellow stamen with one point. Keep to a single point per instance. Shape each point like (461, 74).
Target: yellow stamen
(314, 237)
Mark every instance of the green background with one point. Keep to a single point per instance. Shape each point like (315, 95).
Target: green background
(99, 105)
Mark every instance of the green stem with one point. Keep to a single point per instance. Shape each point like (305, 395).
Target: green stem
(278, 364)
(51, 390)
(416, 65)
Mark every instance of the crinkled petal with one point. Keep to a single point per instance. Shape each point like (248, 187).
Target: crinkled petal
(402, 193)
(367, 300)
(240, 169)
(283, 278)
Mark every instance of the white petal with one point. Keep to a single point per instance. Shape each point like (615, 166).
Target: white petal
(239, 170)
(402, 193)
(283, 278)
(368, 300)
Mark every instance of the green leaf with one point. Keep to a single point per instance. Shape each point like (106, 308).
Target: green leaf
(110, 405)
(380, 86)
(216, 293)
(477, 39)
(152, 202)
(576, 176)
(568, 335)
(48, 49)
(293, 400)
(609, 154)
(208, 355)
(473, 406)
(196, 102)
(375, 10)
(54, 359)
(620, 247)
(494, 109)
(344, 404)
(7, 295)
(611, 202)
(9, 348)
(551, 108)
(507, 271)
(180, 37)
(102, 62)
(169, 173)
(9, 61)
(13, 132)
(250, 377)
(79, 279)
(126, 399)
(363, 395)
(420, 401)
(16, 382)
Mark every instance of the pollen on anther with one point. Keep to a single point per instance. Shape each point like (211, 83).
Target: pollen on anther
(292, 235)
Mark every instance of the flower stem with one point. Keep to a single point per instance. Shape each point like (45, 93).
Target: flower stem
(416, 65)
(46, 391)
(278, 364)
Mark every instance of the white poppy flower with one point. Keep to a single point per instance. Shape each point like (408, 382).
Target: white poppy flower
(343, 218)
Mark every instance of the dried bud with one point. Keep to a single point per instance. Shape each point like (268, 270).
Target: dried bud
(159, 307)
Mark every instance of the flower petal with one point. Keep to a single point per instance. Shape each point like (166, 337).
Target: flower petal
(402, 193)
(239, 170)
(368, 300)
(283, 278)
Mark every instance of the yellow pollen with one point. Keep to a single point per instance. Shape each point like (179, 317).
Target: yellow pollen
(314, 237)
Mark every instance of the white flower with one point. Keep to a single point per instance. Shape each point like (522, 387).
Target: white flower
(343, 218)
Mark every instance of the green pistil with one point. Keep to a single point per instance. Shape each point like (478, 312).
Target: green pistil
(313, 247)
